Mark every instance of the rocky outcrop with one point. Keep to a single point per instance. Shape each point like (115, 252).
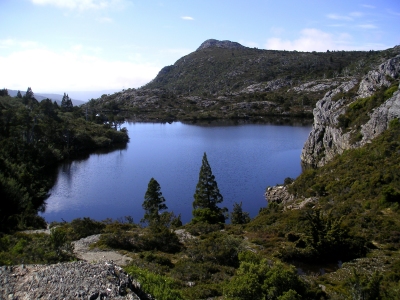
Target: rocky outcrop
(269, 86)
(378, 78)
(327, 139)
(75, 280)
(279, 194)
(220, 44)
(315, 86)
(380, 118)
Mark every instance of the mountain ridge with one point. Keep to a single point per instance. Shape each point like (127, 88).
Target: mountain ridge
(242, 83)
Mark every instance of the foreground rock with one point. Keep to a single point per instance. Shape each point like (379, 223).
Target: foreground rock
(75, 280)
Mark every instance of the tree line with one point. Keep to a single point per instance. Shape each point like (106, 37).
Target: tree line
(34, 137)
(205, 204)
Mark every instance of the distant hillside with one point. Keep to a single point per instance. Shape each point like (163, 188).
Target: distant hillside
(225, 67)
(40, 97)
(225, 80)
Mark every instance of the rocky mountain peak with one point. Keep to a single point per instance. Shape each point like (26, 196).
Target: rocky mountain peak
(220, 44)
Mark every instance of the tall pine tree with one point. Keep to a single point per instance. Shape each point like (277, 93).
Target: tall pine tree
(66, 103)
(153, 202)
(207, 197)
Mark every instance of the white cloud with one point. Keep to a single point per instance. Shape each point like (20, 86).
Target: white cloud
(187, 18)
(368, 6)
(71, 71)
(356, 14)
(105, 20)
(367, 26)
(311, 39)
(81, 4)
(8, 43)
(249, 44)
(339, 17)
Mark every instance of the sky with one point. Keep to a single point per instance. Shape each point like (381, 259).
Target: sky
(57, 46)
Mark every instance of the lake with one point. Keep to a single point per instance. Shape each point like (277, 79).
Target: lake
(245, 159)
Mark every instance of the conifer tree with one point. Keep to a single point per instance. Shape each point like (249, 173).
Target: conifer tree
(207, 197)
(238, 216)
(153, 202)
(19, 95)
(29, 94)
(66, 103)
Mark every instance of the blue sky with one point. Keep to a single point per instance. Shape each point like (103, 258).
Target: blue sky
(91, 45)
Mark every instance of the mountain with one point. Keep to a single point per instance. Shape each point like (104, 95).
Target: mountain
(42, 96)
(220, 44)
(219, 67)
(226, 80)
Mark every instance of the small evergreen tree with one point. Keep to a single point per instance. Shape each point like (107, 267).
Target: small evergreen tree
(207, 197)
(238, 216)
(4, 92)
(29, 99)
(19, 95)
(66, 103)
(153, 203)
(29, 94)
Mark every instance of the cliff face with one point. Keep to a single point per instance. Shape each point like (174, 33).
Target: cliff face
(327, 138)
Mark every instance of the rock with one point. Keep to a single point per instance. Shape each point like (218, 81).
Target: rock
(315, 86)
(380, 118)
(75, 280)
(184, 235)
(220, 44)
(278, 194)
(269, 86)
(377, 78)
(327, 140)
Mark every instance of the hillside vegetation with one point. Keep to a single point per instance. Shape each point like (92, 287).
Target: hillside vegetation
(338, 236)
(345, 243)
(34, 137)
(241, 83)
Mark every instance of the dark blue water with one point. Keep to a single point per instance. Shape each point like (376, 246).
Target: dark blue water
(245, 159)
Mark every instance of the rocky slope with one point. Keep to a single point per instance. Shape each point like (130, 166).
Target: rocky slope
(225, 80)
(75, 280)
(328, 138)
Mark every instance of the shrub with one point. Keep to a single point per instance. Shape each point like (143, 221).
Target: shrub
(85, 227)
(160, 287)
(218, 248)
(161, 239)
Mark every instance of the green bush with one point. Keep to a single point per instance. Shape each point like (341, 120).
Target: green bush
(219, 248)
(21, 248)
(84, 227)
(160, 238)
(258, 278)
(160, 287)
(158, 259)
